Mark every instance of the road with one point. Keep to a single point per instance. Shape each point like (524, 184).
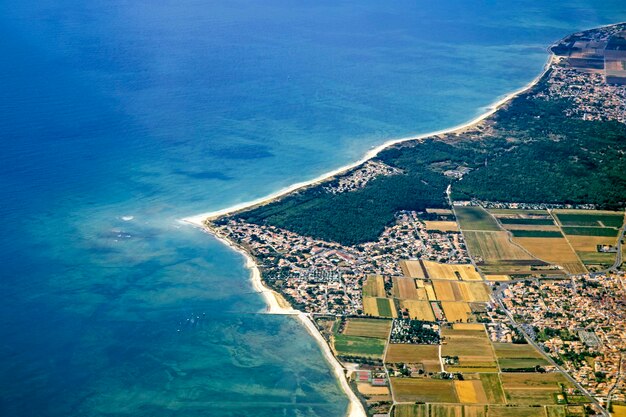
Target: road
(549, 359)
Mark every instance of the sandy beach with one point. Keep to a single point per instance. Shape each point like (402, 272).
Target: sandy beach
(277, 305)
(275, 302)
(199, 219)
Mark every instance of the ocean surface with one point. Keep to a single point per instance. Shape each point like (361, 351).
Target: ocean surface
(119, 117)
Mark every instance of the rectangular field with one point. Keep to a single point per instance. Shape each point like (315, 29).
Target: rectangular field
(359, 346)
(442, 226)
(370, 306)
(424, 390)
(461, 291)
(495, 411)
(418, 310)
(367, 328)
(456, 311)
(386, 307)
(591, 231)
(446, 410)
(532, 388)
(493, 388)
(536, 233)
(494, 247)
(427, 355)
(374, 286)
(470, 392)
(590, 218)
(405, 288)
(472, 347)
(475, 218)
(413, 269)
(453, 272)
(542, 221)
(410, 410)
(553, 250)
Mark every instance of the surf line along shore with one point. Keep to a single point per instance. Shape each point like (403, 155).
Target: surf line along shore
(275, 302)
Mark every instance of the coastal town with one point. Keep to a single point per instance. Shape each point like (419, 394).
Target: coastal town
(477, 307)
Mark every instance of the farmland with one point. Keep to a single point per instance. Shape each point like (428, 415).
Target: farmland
(456, 311)
(426, 390)
(516, 356)
(475, 218)
(418, 310)
(473, 349)
(358, 346)
(374, 286)
(367, 328)
(494, 247)
(531, 388)
(464, 272)
(427, 355)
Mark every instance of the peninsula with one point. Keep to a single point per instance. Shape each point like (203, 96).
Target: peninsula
(474, 272)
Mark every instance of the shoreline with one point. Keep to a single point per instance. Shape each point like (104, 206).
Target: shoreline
(273, 306)
(355, 407)
(199, 219)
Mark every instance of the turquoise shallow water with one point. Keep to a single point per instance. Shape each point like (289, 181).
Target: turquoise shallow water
(163, 110)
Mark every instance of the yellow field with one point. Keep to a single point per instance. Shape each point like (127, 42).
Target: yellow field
(430, 293)
(456, 311)
(470, 392)
(493, 246)
(469, 326)
(368, 390)
(444, 212)
(498, 277)
(444, 290)
(461, 291)
(370, 307)
(619, 410)
(442, 226)
(453, 272)
(418, 310)
(412, 269)
(374, 286)
(553, 250)
(423, 389)
(589, 243)
(405, 288)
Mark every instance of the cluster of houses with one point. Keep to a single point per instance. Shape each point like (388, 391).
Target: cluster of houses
(360, 176)
(583, 325)
(325, 277)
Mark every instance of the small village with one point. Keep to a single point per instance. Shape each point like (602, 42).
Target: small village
(326, 277)
(581, 323)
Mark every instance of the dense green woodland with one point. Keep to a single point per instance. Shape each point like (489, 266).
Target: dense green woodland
(534, 154)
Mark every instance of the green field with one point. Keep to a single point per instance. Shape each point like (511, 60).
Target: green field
(513, 357)
(384, 307)
(475, 218)
(410, 410)
(536, 233)
(493, 388)
(499, 411)
(591, 219)
(590, 231)
(367, 328)
(537, 222)
(556, 411)
(359, 346)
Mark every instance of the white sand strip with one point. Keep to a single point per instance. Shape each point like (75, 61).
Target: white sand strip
(199, 219)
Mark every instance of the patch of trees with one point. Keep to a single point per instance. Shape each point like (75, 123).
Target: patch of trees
(534, 154)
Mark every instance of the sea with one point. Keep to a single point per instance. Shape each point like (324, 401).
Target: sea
(120, 117)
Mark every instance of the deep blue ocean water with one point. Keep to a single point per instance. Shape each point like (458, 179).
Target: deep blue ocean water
(160, 110)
